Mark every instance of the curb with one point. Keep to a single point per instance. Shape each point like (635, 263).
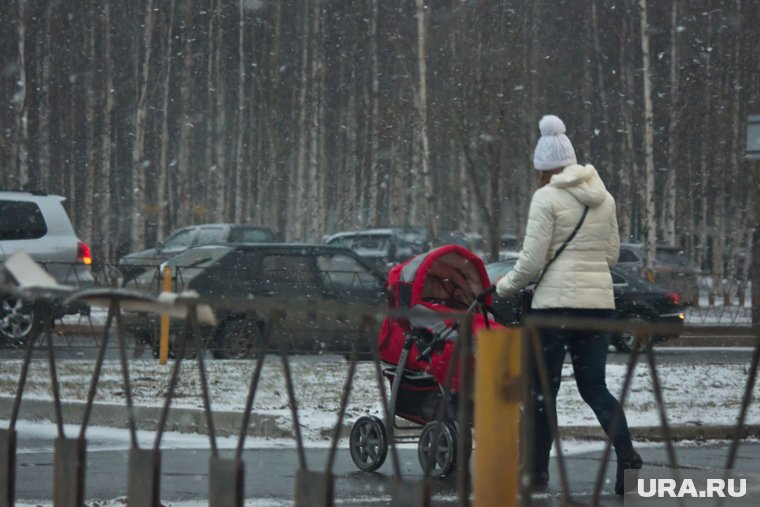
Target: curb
(227, 423)
(180, 419)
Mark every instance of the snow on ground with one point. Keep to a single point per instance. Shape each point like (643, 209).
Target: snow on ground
(703, 394)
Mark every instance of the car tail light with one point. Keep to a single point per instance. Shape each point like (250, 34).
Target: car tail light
(674, 298)
(83, 253)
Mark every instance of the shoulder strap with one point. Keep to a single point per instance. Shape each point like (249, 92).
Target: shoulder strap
(561, 248)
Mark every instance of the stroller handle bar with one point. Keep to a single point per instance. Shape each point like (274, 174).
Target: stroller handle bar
(479, 299)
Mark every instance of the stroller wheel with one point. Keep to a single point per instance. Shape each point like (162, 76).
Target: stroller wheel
(368, 443)
(437, 449)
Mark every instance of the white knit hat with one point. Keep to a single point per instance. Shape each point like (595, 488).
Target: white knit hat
(553, 150)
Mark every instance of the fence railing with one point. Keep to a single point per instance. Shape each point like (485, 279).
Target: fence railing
(316, 486)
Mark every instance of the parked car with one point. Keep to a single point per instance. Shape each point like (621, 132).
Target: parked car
(509, 246)
(204, 234)
(635, 299)
(672, 268)
(380, 247)
(325, 290)
(37, 223)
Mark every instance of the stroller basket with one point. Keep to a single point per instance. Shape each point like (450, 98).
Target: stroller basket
(418, 395)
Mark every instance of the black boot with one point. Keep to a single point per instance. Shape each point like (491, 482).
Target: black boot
(630, 461)
(539, 481)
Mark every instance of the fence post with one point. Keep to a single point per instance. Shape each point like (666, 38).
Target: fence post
(164, 343)
(498, 393)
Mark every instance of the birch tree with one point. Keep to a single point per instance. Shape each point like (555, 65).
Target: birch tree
(20, 162)
(181, 181)
(106, 142)
(139, 162)
(422, 118)
(90, 127)
(650, 224)
(164, 198)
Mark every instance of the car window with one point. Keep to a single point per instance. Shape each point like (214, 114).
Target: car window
(627, 255)
(500, 268)
(673, 257)
(290, 274)
(370, 242)
(342, 241)
(341, 272)
(21, 220)
(179, 239)
(251, 235)
(210, 235)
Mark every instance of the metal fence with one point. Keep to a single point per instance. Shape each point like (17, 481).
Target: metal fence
(316, 486)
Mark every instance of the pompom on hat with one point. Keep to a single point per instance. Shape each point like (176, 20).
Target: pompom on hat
(553, 150)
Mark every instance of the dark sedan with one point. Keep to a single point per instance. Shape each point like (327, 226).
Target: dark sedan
(635, 299)
(324, 290)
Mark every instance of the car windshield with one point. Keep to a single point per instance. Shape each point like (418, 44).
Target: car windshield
(185, 266)
(179, 239)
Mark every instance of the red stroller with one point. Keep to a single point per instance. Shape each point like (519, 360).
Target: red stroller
(416, 350)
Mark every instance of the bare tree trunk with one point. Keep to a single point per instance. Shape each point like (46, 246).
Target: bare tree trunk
(422, 118)
(316, 165)
(650, 224)
(704, 169)
(183, 190)
(604, 165)
(165, 201)
(301, 181)
(374, 120)
(215, 178)
(669, 193)
(44, 110)
(22, 116)
(312, 163)
(239, 191)
(90, 105)
(626, 205)
(139, 164)
(106, 142)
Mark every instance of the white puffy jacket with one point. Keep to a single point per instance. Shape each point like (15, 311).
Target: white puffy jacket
(580, 277)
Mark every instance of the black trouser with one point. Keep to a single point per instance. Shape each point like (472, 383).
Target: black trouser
(588, 350)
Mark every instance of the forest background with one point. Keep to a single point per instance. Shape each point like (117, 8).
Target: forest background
(316, 116)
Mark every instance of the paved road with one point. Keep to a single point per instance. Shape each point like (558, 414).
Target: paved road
(270, 472)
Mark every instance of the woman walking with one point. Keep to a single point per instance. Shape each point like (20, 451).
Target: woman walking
(572, 204)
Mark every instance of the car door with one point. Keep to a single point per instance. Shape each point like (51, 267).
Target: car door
(292, 278)
(357, 290)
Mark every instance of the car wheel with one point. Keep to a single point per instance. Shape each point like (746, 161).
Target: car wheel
(239, 338)
(623, 342)
(16, 320)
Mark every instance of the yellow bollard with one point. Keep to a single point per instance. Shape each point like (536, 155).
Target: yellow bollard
(163, 355)
(498, 393)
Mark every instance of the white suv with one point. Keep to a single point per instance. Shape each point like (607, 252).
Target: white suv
(37, 223)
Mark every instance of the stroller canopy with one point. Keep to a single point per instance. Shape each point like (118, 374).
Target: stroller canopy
(450, 275)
